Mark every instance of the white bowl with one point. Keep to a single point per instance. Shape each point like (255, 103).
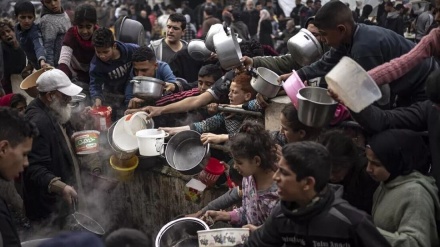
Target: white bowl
(124, 141)
(223, 237)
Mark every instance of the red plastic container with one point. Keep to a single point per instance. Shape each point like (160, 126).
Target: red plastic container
(102, 116)
(212, 172)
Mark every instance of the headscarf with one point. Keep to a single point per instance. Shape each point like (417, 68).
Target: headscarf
(6, 100)
(400, 152)
(264, 15)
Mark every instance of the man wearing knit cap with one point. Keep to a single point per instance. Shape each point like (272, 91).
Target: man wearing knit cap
(50, 176)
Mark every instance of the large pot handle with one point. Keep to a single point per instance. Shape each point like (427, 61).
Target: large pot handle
(207, 149)
(162, 154)
(135, 81)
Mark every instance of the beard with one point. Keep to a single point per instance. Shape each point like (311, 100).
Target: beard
(62, 112)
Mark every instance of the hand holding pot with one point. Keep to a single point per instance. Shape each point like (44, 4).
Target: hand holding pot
(197, 214)
(247, 61)
(283, 77)
(332, 94)
(68, 193)
(262, 101)
(175, 130)
(251, 227)
(135, 103)
(213, 138)
(212, 108)
(218, 215)
(169, 87)
(152, 111)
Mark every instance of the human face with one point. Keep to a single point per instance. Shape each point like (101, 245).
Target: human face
(54, 5)
(13, 160)
(105, 53)
(246, 167)
(375, 168)
(236, 95)
(59, 105)
(85, 30)
(205, 82)
(21, 107)
(333, 37)
(290, 134)
(314, 30)
(289, 189)
(174, 31)
(145, 68)
(338, 175)
(25, 20)
(317, 5)
(7, 35)
(250, 5)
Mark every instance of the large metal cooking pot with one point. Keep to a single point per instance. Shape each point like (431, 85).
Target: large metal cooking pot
(209, 39)
(34, 243)
(186, 153)
(130, 31)
(180, 232)
(304, 47)
(197, 50)
(228, 50)
(265, 82)
(147, 87)
(315, 107)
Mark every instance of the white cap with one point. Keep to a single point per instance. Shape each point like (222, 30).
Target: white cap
(56, 79)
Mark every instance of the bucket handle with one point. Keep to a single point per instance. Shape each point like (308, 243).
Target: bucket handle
(159, 149)
(162, 147)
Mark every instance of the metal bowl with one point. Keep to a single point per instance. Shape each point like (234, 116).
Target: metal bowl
(130, 31)
(180, 232)
(147, 87)
(209, 39)
(265, 82)
(304, 47)
(197, 50)
(315, 107)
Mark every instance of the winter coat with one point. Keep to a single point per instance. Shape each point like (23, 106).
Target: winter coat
(8, 233)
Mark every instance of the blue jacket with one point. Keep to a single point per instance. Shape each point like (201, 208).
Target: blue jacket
(112, 76)
(31, 41)
(163, 73)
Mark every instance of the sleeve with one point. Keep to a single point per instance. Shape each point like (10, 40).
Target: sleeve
(280, 64)
(64, 62)
(9, 236)
(226, 200)
(238, 216)
(398, 67)
(252, 105)
(128, 90)
(366, 235)
(375, 120)
(322, 66)
(268, 234)
(209, 125)
(37, 41)
(167, 74)
(49, 37)
(95, 81)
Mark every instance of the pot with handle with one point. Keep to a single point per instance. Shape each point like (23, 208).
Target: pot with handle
(147, 87)
(180, 232)
(265, 82)
(228, 50)
(304, 47)
(209, 39)
(150, 141)
(186, 153)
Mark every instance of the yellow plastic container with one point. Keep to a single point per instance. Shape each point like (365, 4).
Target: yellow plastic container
(124, 169)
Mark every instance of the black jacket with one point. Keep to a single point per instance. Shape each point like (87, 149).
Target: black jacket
(331, 221)
(7, 228)
(50, 157)
(394, 22)
(251, 18)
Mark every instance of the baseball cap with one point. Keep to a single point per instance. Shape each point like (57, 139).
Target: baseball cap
(56, 79)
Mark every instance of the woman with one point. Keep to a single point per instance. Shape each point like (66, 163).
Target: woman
(264, 30)
(15, 101)
(406, 204)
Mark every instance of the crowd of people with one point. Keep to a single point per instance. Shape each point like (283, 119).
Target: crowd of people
(369, 178)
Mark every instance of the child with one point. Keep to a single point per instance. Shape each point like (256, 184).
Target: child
(110, 67)
(15, 101)
(77, 50)
(54, 23)
(254, 158)
(240, 92)
(29, 36)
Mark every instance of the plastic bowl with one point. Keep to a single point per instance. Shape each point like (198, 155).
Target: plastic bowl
(292, 85)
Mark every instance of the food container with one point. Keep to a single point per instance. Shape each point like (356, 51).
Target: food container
(353, 85)
(86, 142)
(151, 141)
(212, 172)
(124, 168)
(197, 50)
(137, 121)
(209, 39)
(181, 232)
(304, 47)
(228, 50)
(102, 117)
(147, 87)
(120, 154)
(292, 85)
(223, 237)
(122, 140)
(265, 82)
(194, 190)
(315, 107)
(130, 31)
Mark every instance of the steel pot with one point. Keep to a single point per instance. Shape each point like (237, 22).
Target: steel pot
(209, 39)
(315, 107)
(78, 103)
(180, 232)
(130, 31)
(186, 153)
(147, 87)
(228, 50)
(265, 82)
(197, 50)
(304, 47)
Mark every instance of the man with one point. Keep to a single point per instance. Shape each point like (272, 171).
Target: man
(311, 212)
(165, 48)
(288, 33)
(238, 26)
(208, 19)
(423, 22)
(393, 20)
(50, 176)
(369, 46)
(16, 136)
(250, 17)
(296, 12)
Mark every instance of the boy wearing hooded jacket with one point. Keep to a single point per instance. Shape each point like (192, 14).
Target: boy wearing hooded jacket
(311, 212)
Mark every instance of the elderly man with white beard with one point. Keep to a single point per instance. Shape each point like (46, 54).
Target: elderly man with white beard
(50, 177)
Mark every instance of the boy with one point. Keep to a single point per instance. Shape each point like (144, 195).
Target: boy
(110, 67)
(54, 23)
(16, 136)
(311, 212)
(29, 36)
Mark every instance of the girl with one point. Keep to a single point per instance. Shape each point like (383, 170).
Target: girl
(15, 101)
(406, 204)
(77, 50)
(254, 158)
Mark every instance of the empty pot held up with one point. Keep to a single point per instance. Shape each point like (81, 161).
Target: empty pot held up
(315, 107)
(147, 87)
(209, 39)
(304, 47)
(228, 50)
(130, 31)
(265, 82)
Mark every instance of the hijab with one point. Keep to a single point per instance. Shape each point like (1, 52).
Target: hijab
(400, 152)
(6, 100)
(264, 15)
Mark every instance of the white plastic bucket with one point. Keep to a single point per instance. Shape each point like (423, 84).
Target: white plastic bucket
(150, 141)
(353, 85)
(137, 121)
